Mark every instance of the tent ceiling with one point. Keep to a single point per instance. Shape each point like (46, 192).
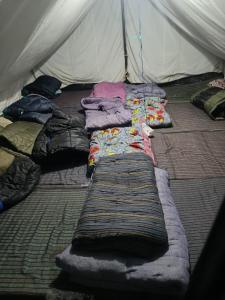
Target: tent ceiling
(82, 40)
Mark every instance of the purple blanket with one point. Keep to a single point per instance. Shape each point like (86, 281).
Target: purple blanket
(105, 113)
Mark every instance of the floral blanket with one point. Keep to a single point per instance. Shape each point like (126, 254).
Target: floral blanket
(149, 110)
(118, 140)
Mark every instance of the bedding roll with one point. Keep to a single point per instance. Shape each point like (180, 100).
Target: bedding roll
(122, 211)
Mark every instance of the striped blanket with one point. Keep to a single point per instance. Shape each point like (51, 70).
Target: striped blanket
(123, 211)
(212, 101)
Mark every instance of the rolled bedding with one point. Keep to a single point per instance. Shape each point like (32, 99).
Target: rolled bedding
(167, 274)
(122, 211)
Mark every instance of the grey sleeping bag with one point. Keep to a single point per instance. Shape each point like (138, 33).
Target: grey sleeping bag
(168, 274)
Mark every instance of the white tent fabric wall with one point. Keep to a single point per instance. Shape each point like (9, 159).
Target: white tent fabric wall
(159, 51)
(166, 40)
(94, 52)
(202, 20)
(30, 31)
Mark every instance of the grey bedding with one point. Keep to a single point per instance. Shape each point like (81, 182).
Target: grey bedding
(144, 90)
(168, 274)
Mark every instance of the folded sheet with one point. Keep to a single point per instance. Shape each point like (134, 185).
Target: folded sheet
(168, 274)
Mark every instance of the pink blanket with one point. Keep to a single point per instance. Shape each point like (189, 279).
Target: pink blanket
(109, 90)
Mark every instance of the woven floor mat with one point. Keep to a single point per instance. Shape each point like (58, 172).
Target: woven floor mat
(68, 175)
(31, 234)
(191, 154)
(198, 201)
(187, 117)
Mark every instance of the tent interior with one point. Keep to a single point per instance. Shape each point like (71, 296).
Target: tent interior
(177, 45)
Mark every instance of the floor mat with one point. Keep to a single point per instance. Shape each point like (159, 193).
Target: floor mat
(186, 117)
(198, 201)
(187, 155)
(183, 92)
(68, 175)
(32, 233)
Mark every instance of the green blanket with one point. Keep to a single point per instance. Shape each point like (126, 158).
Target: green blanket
(212, 101)
(20, 136)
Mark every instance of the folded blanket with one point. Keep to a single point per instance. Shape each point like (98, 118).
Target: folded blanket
(44, 85)
(105, 113)
(149, 110)
(144, 90)
(168, 274)
(20, 136)
(63, 138)
(156, 115)
(212, 100)
(122, 210)
(18, 177)
(33, 107)
(109, 90)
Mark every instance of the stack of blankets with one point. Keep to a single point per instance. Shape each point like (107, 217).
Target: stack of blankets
(33, 134)
(115, 114)
(129, 235)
